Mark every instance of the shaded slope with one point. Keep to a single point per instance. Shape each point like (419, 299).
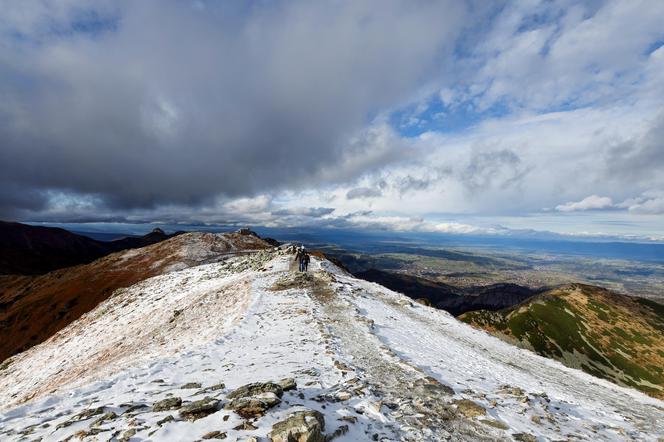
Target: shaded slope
(34, 308)
(34, 250)
(449, 298)
(615, 337)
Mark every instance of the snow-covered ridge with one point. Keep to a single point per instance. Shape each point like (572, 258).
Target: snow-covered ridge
(372, 362)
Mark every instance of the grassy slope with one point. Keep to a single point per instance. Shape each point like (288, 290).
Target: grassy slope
(616, 337)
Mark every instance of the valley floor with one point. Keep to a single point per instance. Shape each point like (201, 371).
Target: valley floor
(375, 364)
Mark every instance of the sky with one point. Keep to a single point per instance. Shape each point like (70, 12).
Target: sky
(435, 116)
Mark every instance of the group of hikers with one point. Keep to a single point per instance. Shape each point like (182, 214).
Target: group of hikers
(302, 257)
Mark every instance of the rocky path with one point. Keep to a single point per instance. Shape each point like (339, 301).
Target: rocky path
(421, 407)
(527, 393)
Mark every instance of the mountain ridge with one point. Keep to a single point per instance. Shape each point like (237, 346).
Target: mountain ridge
(33, 308)
(168, 357)
(34, 250)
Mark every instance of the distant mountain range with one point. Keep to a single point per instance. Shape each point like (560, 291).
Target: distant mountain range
(447, 297)
(34, 250)
(612, 336)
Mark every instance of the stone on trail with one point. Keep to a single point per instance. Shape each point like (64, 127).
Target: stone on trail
(198, 409)
(301, 426)
(215, 435)
(251, 407)
(167, 404)
(524, 437)
(255, 389)
(287, 384)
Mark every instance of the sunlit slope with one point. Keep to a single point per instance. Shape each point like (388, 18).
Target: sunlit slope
(616, 337)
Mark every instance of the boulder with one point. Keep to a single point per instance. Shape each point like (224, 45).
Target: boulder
(287, 384)
(342, 396)
(255, 389)
(301, 426)
(167, 404)
(252, 407)
(198, 409)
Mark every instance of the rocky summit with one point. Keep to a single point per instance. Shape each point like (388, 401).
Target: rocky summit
(224, 340)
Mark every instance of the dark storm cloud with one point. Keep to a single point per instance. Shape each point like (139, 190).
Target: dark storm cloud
(640, 160)
(363, 192)
(313, 212)
(499, 168)
(169, 102)
(15, 200)
(410, 183)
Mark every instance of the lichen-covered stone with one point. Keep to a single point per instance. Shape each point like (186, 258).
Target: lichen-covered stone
(301, 426)
(287, 384)
(255, 389)
(469, 408)
(167, 404)
(215, 435)
(251, 407)
(198, 409)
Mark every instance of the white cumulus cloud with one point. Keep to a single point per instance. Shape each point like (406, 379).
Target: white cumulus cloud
(592, 202)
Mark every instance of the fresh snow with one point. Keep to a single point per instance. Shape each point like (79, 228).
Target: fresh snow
(364, 356)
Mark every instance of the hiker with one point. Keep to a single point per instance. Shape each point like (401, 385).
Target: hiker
(305, 262)
(299, 255)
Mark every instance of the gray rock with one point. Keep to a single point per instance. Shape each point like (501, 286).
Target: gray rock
(524, 437)
(255, 389)
(105, 417)
(165, 420)
(167, 404)
(251, 407)
(198, 409)
(81, 416)
(190, 385)
(287, 384)
(215, 435)
(301, 426)
(336, 433)
(133, 407)
(127, 435)
(211, 388)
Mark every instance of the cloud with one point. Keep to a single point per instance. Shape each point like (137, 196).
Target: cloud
(313, 212)
(256, 204)
(363, 192)
(650, 202)
(300, 112)
(105, 99)
(641, 158)
(501, 168)
(592, 202)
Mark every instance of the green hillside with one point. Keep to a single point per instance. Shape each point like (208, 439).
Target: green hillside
(611, 336)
